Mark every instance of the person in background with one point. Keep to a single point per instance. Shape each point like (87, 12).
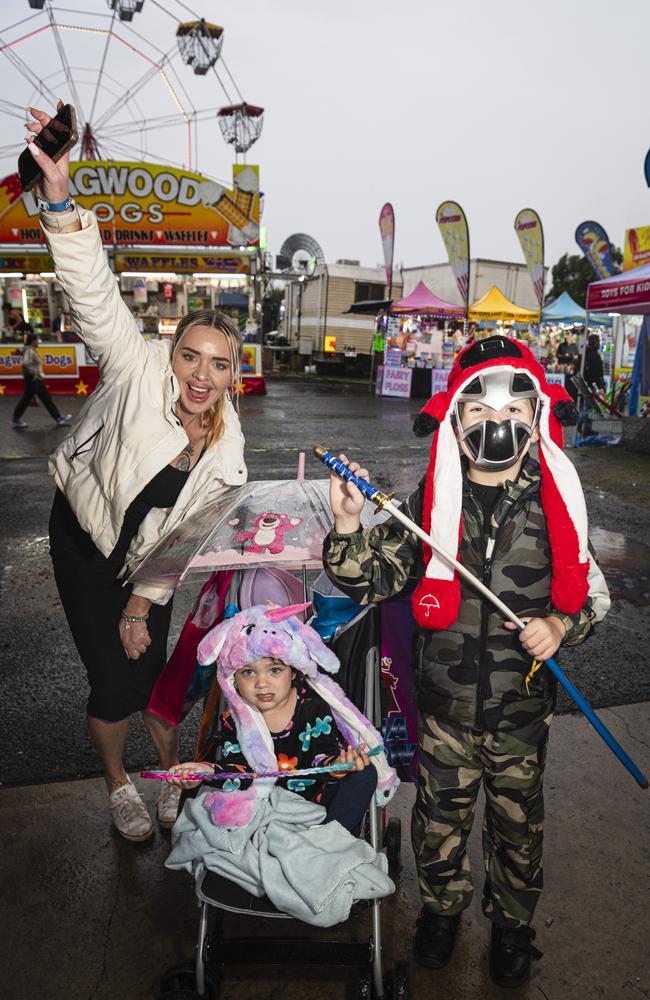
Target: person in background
(594, 372)
(23, 328)
(567, 352)
(34, 386)
(9, 331)
(59, 325)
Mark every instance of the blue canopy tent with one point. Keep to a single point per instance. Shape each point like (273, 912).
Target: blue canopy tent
(566, 310)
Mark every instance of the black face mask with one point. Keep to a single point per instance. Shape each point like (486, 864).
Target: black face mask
(496, 446)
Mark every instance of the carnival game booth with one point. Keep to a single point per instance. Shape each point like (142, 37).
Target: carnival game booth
(628, 294)
(417, 345)
(564, 313)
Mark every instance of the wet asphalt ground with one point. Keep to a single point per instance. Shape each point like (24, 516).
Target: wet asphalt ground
(42, 682)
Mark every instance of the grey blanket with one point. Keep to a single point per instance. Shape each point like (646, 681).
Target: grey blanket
(309, 869)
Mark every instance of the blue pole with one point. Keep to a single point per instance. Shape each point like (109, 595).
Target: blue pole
(599, 726)
(373, 494)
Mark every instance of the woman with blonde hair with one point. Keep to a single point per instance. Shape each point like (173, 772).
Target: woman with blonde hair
(157, 439)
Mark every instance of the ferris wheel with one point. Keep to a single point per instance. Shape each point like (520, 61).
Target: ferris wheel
(134, 99)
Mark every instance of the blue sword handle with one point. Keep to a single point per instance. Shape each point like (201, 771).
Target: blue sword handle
(341, 470)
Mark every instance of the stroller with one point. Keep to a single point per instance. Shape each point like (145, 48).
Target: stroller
(354, 635)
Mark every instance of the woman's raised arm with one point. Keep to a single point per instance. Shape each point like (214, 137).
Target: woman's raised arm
(102, 318)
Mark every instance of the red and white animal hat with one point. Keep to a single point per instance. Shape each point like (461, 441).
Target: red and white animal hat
(436, 599)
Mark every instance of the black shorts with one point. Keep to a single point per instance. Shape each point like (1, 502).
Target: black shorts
(93, 599)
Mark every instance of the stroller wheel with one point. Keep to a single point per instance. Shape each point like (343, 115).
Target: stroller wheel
(393, 841)
(401, 981)
(179, 983)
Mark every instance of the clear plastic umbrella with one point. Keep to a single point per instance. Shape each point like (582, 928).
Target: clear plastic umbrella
(275, 523)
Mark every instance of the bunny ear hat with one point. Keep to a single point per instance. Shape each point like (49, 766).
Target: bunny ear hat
(276, 632)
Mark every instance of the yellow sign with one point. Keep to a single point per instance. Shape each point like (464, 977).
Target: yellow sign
(528, 227)
(56, 360)
(11, 361)
(164, 263)
(330, 344)
(455, 235)
(27, 263)
(251, 361)
(146, 203)
(637, 247)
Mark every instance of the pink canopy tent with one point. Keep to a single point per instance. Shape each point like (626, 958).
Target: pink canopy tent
(421, 300)
(627, 293)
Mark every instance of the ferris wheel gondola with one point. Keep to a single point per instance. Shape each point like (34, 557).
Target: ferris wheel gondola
(199, 44)
(241, 125)
(125, 9)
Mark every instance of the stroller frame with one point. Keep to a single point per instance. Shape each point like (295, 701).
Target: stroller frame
(366, 956)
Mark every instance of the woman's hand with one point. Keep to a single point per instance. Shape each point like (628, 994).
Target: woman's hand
(54, 185)
(358, 757)
(135, 638)
(542, 637)
(346, 500)
(191, 768)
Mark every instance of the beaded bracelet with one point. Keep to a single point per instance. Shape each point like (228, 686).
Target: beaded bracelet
(131, 619)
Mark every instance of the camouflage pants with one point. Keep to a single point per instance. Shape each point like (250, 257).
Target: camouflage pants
(453, 762)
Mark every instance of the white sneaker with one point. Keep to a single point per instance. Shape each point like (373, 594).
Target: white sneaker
(63, 420)
(129, 813)
(168, 801)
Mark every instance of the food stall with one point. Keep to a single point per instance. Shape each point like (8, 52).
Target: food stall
(417, 345)
(177, 241)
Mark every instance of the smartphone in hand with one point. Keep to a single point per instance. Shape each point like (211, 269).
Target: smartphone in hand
(59, 136)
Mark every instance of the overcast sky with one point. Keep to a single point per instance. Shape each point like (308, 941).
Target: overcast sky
(499, 105)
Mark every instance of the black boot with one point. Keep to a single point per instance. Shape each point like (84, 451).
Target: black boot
(510, 954)
(434, 939)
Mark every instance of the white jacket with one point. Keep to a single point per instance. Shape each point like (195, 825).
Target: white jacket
(127, 431)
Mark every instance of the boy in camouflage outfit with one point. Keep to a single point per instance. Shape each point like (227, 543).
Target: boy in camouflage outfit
(485, 703)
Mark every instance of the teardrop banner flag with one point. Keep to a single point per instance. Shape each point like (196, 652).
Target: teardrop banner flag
(647, 168)
(455, 235)
(528, 227)
(594, 243)
(387, 231)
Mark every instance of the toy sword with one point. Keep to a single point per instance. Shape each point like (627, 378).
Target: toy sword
(382, 501)
(230, 775)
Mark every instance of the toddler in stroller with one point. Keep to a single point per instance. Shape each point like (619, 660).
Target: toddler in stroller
(282, 848)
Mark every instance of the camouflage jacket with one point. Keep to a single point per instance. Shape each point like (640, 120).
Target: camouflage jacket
(473, 673)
